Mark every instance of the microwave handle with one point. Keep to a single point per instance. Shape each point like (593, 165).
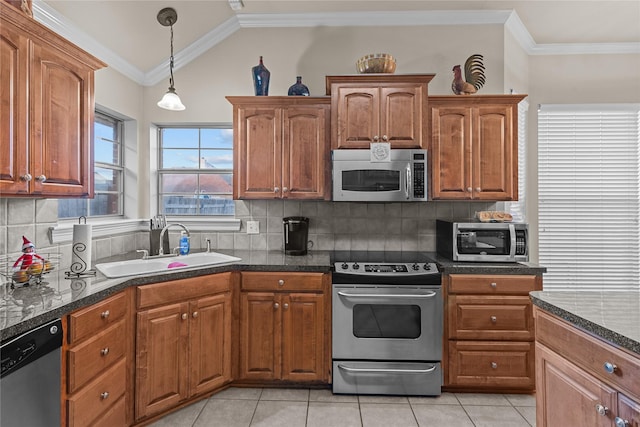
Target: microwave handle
(512, 233)
(407, 186)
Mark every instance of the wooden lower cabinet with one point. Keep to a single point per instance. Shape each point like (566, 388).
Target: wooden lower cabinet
(97, 361)
(183, 348)
(283, 333)
(489, 332)
(573, 389)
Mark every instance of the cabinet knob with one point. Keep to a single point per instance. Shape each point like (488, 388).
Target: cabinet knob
(276, 305)
(621, 422)
(376, 138)
(469, 189)
(494, 285)
(494, 319)
(285, 189)
(601, 409)
(104, 351)
(385, 138)
(609, 367)
(494, 365)
(41, 178)
(184, 316)
(195, 314)
(280, 282)
(105, 314)
(104, 395)
(276, 189)
(285, 305)
(26, 177)
(478, 189)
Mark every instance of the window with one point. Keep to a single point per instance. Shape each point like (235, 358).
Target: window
(196, 171)
(589, 196)
(108, 173)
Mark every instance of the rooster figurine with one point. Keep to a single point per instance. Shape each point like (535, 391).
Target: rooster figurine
(473, 76)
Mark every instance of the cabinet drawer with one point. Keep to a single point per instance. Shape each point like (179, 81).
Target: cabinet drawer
(95, 355)
(98, 397)
(91, 320)
(492, 284)
(491, 363)
(270, 281)
(589, 353)
(490, 318)
(182, 290)
(115, 416)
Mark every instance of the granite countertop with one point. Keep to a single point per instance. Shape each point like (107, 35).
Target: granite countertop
(25, 307)
(613, 316)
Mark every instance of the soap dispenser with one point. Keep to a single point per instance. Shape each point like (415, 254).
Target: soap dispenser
(184, 243)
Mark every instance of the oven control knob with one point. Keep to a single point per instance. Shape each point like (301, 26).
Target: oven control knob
(427, 267)
(415, 266)
(344, 265)
(356, 266)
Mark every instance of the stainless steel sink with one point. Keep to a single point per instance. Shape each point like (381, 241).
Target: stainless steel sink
(156, 265)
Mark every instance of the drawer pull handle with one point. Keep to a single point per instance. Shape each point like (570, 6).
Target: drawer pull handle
(104, 395)
(184, 316)
(621, 422)
(280, 282)
(494, 319)
(494, 365)
(105, 314)
(609, 367)
(601, 410)
(195, 314)
(104, 351)
(494, 285)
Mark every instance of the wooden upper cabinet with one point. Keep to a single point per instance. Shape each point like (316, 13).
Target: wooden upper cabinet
(281, 148)
(47, 113)
(474, 147)
(368, 108)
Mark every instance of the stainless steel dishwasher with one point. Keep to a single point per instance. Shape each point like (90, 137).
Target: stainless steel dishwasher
(30, 377)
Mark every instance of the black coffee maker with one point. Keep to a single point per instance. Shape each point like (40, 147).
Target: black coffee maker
(296, 234)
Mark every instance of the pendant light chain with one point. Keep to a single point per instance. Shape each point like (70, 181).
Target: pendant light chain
(171, 60)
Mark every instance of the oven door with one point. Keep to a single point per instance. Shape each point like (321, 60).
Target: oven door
(380, 322)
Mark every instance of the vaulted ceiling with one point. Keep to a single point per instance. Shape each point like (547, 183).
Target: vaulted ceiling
(127, 35)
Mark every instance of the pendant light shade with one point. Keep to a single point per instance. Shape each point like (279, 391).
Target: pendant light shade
(170, 101)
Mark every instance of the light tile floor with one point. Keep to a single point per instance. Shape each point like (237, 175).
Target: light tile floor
(258, 407)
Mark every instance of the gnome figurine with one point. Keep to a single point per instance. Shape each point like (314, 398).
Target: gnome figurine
(28, 256)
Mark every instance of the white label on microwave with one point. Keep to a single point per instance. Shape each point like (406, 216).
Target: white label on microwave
(380, 152)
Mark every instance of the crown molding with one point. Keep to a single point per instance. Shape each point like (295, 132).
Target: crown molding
(49, 17)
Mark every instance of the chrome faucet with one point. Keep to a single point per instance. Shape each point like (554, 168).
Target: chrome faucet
(164, 230)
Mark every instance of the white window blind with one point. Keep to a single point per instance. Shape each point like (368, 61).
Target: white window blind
(589, 196)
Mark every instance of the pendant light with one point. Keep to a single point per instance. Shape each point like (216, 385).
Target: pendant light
(170, 101)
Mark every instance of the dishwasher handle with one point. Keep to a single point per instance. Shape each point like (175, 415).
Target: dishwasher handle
(19, 351)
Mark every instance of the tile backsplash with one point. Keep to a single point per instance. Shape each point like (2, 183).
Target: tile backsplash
(332, 225)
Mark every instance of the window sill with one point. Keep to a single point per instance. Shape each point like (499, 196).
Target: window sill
(63, 232)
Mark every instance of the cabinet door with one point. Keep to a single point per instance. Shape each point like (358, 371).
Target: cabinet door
(356, 117)
(260, 337)
(258, 153)
(567, 396)
(210, 342)
(161, 358)
(14, 56)
(495, 153)
(451, 153)
(303, 337)
(628, 411)
(306, 160)
(402, 110)
(61, 117)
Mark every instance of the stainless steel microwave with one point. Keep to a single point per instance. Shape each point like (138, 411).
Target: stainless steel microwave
(482, 241)
(400, 177)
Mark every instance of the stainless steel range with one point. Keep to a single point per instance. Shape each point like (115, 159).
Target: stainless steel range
(387, 324)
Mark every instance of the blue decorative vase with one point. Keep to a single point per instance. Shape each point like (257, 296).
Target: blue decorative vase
(261, 79)
(298, 89)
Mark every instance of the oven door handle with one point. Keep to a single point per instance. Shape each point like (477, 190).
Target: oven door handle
(395, 371)
(348, 295)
